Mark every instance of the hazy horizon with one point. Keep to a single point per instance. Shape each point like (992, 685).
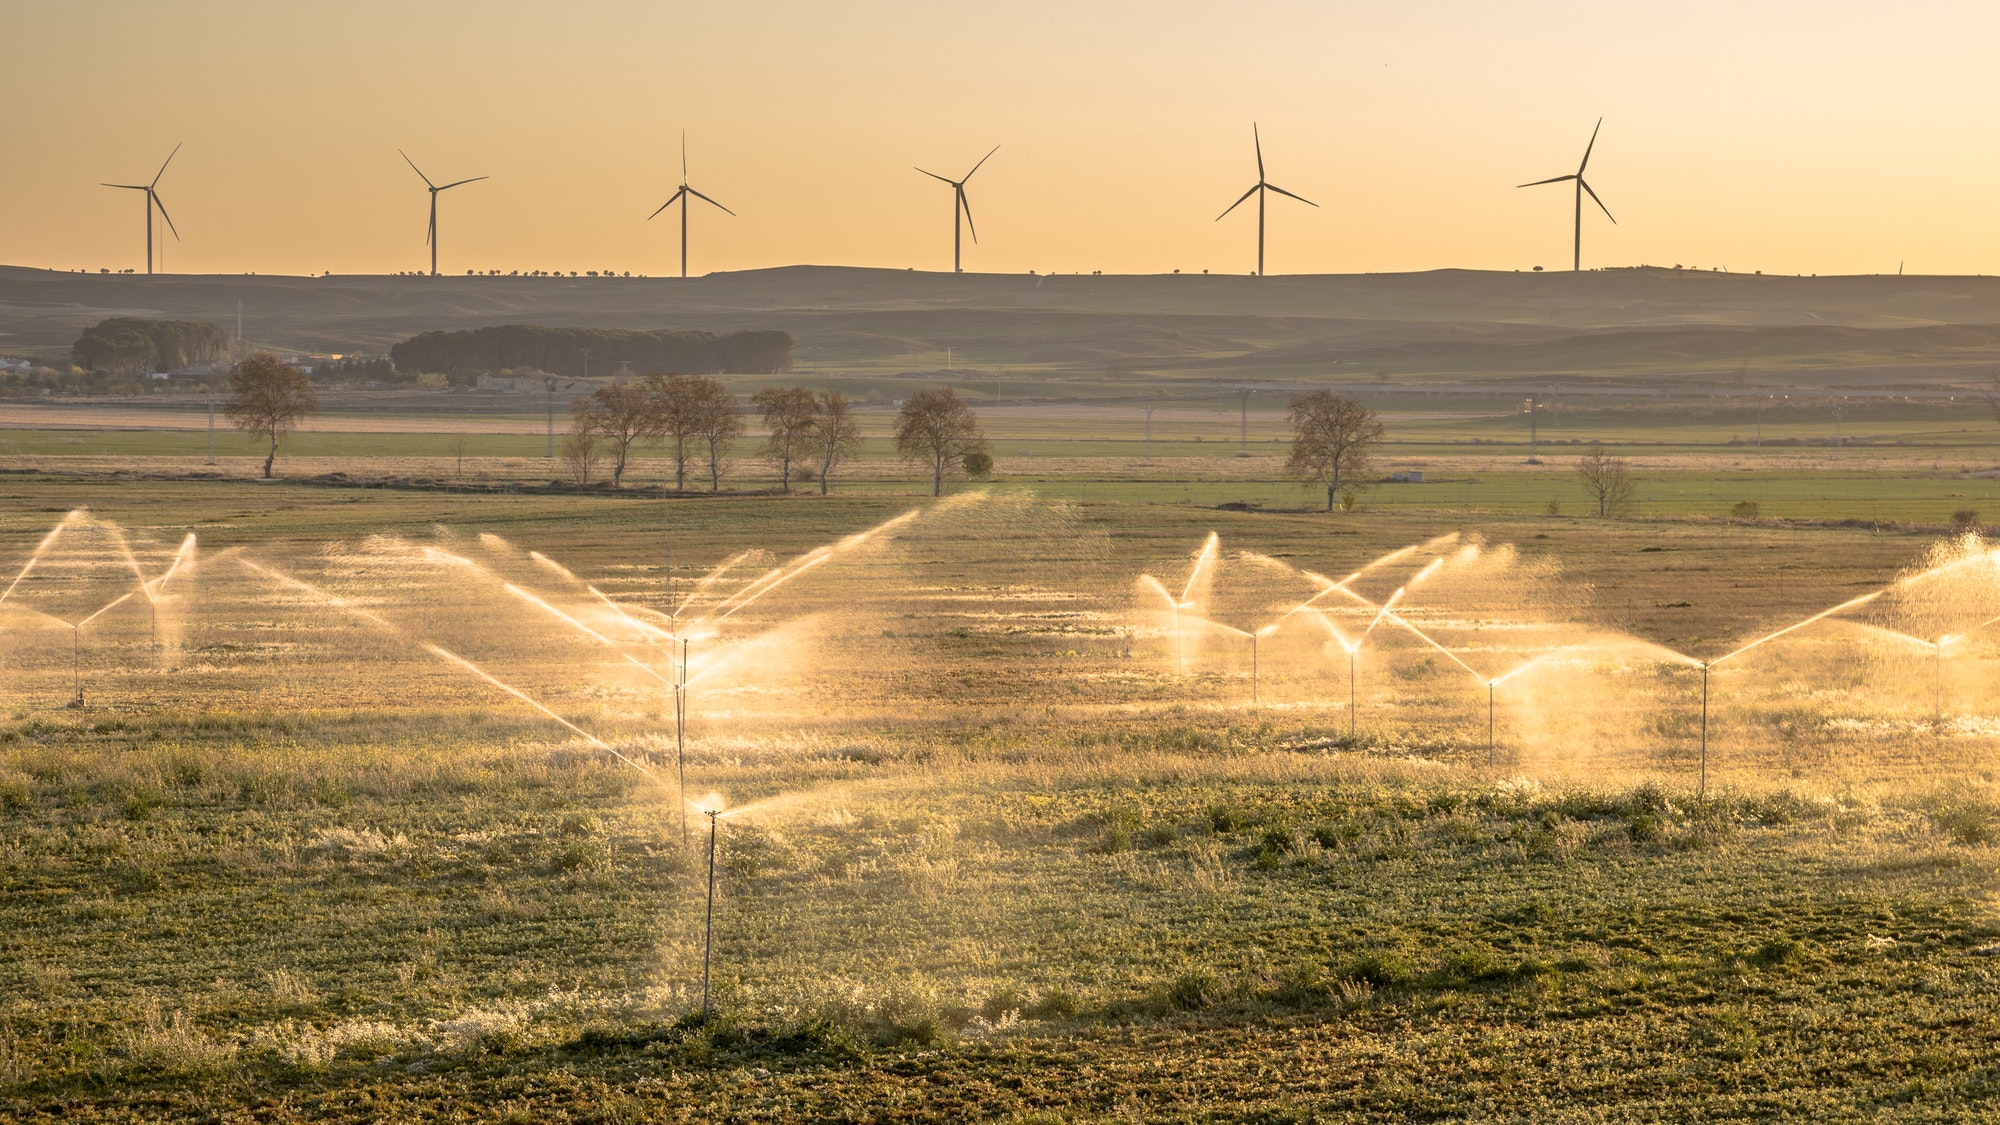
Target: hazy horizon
(1793, 138)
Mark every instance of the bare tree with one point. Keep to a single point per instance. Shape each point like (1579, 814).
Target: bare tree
(457, 447)
(718, 422)
(835, 436)
(788, 415)
(267, 399)
(620, 414)
(1607, 479)
(580, 455)
(1333, 439)
(936, 429)
(679, 401)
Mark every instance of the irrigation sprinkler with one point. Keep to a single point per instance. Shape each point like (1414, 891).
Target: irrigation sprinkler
(708, 928)
(1707, 665)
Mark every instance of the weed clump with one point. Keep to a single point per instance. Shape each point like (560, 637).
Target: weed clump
(1378, 969)
(1194, 990)
(1966, 821)
(1225, 818)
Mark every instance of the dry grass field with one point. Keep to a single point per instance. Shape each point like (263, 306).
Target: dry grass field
(372, 811)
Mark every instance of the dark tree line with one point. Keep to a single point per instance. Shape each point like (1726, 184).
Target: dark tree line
(129, 345)
(562, 351)
(361, 369)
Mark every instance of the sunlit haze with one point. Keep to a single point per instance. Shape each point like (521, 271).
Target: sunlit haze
(1779, 136)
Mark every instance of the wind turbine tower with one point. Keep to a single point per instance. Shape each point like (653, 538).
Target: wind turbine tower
(1260, 189)
(432, 237)
(960, 207)
(1576, 259)
(682, 197)
(152, 201)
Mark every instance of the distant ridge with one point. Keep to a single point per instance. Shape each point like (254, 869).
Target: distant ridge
(1444, 322)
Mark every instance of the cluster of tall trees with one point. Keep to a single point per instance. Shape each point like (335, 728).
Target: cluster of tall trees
(602, 351)
(695, 416)
(809, 435)
(130, 345)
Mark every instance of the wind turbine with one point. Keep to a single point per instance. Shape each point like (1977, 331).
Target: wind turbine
(432, 237)
(1576, 262)
(1259, 189)
(958, 205)
(152, 201)
(681, 197)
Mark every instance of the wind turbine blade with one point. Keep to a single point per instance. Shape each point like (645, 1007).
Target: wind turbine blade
(163, 165)
(127, 187)
(417, 170)
(430, 235)
(1258, 140)
(1550, 180)
(982, 160)
(155, 197)
(1300, 198)
(699, 195)
(1239, 202)
(965, 206)
(1588, 147)
(1594, 199)
(941, 179)
(473, 180)
(684, 155)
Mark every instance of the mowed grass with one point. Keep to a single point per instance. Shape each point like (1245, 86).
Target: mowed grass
(997, 862)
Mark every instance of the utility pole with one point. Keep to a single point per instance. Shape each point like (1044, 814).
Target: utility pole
(1243, 434)
(1149, 433)
(1839, 415)
(549, 384)
(1533, 435)
(211, 427)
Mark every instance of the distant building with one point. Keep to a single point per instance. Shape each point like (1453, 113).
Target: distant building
(1408, 476)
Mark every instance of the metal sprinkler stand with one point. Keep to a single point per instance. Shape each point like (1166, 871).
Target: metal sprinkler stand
(1937, 713)
(1490, 685)
(680, 737)
(1703, 790)
(708, 931)
(1350, 695)
(76, 665)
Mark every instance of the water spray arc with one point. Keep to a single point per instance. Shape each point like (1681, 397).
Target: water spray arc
(335, 601)
(1707, 666)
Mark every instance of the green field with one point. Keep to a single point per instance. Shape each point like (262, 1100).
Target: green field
(1007, 850)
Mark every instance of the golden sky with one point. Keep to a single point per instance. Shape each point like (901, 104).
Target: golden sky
(1786, 135)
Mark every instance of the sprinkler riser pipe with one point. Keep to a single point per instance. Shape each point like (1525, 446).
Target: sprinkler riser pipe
(708, 929)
